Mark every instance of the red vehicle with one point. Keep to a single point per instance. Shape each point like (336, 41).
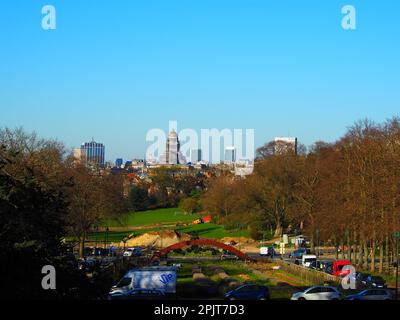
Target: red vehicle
(338, 268)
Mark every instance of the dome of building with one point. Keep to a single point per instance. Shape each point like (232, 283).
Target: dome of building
(173, 134)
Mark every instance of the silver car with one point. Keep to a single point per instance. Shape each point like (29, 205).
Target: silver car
(372, 294)
(318, 293)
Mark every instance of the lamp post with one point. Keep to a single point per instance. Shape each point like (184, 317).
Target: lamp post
(317, 250)
(397, 236)
(106, 238)
(96, 229)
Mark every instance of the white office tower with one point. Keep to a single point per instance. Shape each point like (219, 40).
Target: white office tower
(230, 155)
(172, 154)
(195, 156)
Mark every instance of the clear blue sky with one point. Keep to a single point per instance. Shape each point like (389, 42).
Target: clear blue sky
(114, 69)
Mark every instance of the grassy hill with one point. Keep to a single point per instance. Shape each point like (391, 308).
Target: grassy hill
(152, 217)
(167, 219)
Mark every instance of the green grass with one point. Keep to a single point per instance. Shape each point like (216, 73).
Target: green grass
(207, 230)
(155, 220)
(151, 217)
(212, 230)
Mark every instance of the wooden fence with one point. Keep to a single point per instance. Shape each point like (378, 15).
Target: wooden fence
(308, 276)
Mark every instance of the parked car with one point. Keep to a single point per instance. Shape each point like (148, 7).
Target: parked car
(87, 265)
(139, 294)
(248, 292)
(227, 255)
(316, 265)
(327, 267)
(360, 279)
(338, 266)
(375, 282)
(298, 254)
(307, 259)
(318, 293)
(323, 265)
(371, 294)
(133, 252)
(267, 251)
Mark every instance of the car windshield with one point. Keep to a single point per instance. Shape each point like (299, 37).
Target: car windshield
(126, 281)
(340, 267)
(247, 288)
(309, 259)
(377, 279)
(314, 290)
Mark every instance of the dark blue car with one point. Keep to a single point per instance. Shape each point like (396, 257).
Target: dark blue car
(248, 292)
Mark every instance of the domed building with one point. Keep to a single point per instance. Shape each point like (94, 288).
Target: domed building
(172, 154)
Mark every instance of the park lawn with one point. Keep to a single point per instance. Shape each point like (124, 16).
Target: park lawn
(154, 220)
(212, 230)
(152, 217)
(162, 219)
(206, 230)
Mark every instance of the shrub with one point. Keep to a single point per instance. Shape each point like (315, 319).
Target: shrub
(255, 232)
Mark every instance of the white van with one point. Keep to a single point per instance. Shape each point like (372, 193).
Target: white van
(147, 278)
(307, 259)
(264, 251)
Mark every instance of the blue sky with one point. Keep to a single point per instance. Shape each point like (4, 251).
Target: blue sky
(112, 70)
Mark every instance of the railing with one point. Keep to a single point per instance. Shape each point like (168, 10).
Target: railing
(308, 276)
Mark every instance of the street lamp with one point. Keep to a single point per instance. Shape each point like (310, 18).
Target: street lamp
(106, 238)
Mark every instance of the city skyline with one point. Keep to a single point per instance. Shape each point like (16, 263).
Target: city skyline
(283, 70)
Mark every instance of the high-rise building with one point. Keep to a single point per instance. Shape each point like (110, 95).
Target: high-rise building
(284, 145)
(119, 162)
(78, 156)
(230, 154)
(92, 153)
(195, 156)
(172, 154)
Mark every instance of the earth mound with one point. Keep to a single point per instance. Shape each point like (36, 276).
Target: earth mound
(158, 239)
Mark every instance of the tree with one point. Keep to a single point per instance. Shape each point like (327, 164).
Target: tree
(188, 205)
(92, 199)
(138, 198)
(218, 197)
(33, 210)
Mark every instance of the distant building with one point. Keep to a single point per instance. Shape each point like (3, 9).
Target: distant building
(109, 164)
(128, 164)
(119, 162)
(172, 154)
(91, 153)
(284, 145)
(244, 167)
(195, 156)
(78, 156)
(230, 155)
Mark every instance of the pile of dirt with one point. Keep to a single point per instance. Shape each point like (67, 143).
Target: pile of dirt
(158, 239)
(238, 240)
